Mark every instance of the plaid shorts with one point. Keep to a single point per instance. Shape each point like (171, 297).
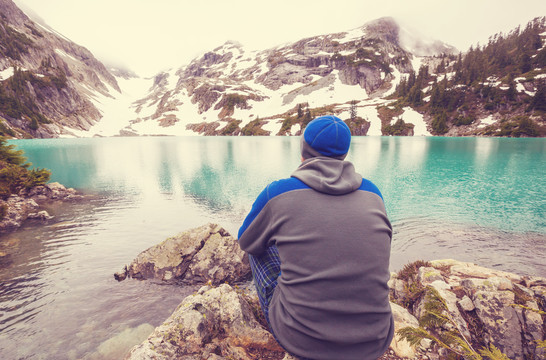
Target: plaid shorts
(266, 268)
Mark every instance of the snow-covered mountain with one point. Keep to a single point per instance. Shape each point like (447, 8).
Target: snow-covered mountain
(380, 78)
(231, 90)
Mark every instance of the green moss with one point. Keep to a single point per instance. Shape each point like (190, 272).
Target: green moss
(429, 274)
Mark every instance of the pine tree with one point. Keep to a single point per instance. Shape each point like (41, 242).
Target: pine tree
(352, 110)
(511, 92)
(539, 100)
(300, 111)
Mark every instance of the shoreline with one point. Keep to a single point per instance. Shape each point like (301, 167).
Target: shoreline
(30, 204)
(510, 251)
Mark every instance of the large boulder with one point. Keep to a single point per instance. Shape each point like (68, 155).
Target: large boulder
(485, 306)
(197, 256)
(214, 323)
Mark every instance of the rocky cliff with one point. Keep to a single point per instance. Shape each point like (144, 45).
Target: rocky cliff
(47, 82)
(476, 310)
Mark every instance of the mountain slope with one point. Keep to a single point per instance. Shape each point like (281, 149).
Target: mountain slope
(354, 74)
(498, 89)
(231, 91)
(47, 83)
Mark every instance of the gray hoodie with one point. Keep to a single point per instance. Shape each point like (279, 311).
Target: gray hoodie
(333, 235)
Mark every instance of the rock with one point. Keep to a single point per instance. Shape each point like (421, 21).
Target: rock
(197, 256)
(458, 268)
(41, 215)
(487, 306)
(427, 275)
(402, 318)
(22, 206)
(122, 275)
(466, 304)
(52, 191)
(214, 323)
(500, 320)
(17, 210)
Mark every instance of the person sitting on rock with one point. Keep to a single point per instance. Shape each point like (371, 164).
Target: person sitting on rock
(319, 249)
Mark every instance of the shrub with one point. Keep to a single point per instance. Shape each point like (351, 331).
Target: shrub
(439, 124)
(14, 173)
(400, 128)
(254, 128)
(230, 128)
(463, 120)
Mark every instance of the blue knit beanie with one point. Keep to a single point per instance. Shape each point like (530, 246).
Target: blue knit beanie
(326, 136)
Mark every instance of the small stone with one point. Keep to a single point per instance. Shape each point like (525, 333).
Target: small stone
(426, 343)
(168, 275)
(42, 215)
(466, 304)
(122, 275)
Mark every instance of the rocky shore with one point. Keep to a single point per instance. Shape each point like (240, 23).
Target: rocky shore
(28, 204)
(477, 310)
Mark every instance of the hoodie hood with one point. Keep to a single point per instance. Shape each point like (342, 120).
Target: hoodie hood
(328, 175)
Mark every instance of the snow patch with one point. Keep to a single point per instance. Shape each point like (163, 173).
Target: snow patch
(352, 35)
(334, 93)
(118, 111)
(6, 73)
(413, 117)
(486, 121)
(273, 126)
(369, 112)
(62, 53)
(416, 63)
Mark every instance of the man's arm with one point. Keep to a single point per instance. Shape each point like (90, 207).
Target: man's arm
(253, 234)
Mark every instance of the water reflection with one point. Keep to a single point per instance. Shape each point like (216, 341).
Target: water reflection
(481, 181)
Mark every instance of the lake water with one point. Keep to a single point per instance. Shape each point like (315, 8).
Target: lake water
(481, 200)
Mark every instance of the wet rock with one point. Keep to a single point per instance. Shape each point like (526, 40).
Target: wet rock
(17, 210)
(41, 215)
(214, 323)
(197, 256)
(22, 206)
(51, 191)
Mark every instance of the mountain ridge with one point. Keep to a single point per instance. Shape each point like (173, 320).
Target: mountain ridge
(51, 87)
(228, 80)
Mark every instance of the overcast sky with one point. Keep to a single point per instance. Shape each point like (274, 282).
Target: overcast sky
(148, 36)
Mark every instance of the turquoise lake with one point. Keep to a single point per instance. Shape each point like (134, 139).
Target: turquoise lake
(481, 200)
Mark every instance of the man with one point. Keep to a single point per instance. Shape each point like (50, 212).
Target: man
(319, 246)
